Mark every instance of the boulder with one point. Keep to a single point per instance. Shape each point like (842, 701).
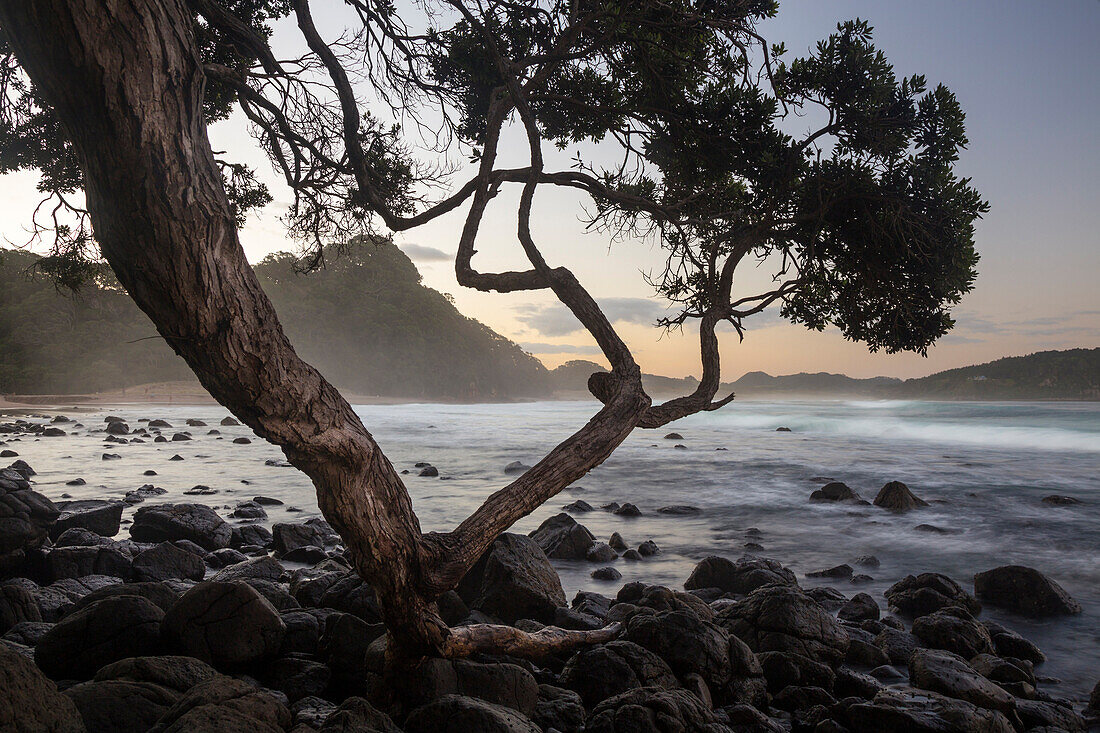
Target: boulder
(949, 674)
(679, 509)
(249, 510)
(30, 702)
(835, 491)
(1051, 717)
(100, 633)
(174, 673)
(167, 561)
(250, 534)
(121, 706)
(1024, 590)
(27, 633)
(609, 574)
(228, 624)
(559, 709)
(743, 577)
(928, 592)
(25, 515)
(1059, 500)
(837, 571)
(955, 630)
(691, 645)
(97, 515)
(168, 522)
(784, 619)
(653, 710)
(459, 714)
(919, 711)
(264, 567)
(600, 552)
(860, 608)
(158, 593)
(351, 594)
(297, 677)
(1010, 644)
(897, 644)
(17, 605)
(507, 685)
(224, 704)
(603, 671)
(897, 497)
(355, 715)
(514, 580)
(783, 669)
(287, 537)
(562, 538)
(516, 467)
(80, 561)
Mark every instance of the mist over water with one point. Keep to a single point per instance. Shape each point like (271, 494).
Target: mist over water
(984, 467)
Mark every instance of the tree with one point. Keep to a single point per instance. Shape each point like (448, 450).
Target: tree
(866, 223)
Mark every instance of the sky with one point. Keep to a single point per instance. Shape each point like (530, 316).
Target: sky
(1026, 75)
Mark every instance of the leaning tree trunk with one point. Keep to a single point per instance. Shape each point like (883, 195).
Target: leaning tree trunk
(126, 83)
(125, 80)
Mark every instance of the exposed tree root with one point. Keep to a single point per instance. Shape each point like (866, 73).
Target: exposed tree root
(493, 639)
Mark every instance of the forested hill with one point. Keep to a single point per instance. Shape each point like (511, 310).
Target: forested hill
(1073, 374)
(365, 321)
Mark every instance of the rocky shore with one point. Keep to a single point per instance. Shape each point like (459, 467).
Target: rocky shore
(197, 618)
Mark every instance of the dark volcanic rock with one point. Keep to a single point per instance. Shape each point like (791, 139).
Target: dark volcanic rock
(121, 706)
(839, 571)
(679, 509)
(949, 674)
(226, 624)
(1025, 591)
(607, 573)
(1010, 644)
(691, 645)
(784, 619)
(861, 607)
(562, 538)
(604, 671)
(159, 594)
(897, 497)
(459, 714)
(916, 595)
(600, 552)
(508, 685)
(167, 561)
(1058, 500)
(223, 704)
(287, 537)
(16, 605)
(955, 630)
(30, 702)
(580, 506)
(25, 515)
(653, 710)
(100, 633)
(78, 562)
(919, 711)
(835, 491)
(514, 580)
(355, 715)
(558, 709)
(744, 576)
(101, 517)
(168, 522)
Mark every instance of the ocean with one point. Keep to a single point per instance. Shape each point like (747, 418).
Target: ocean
(983, 467)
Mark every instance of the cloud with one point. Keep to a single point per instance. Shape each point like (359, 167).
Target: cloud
(420, 253)
(537, 347)
(973, 328)
(557, 320)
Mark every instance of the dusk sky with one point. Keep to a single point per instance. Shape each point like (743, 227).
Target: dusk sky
(1026, 75)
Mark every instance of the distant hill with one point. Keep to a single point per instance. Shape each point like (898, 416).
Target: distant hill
(1048, 375)
(365, 321)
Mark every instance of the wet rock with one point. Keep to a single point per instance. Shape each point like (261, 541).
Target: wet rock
(922, 594)
(516, 467)
(25, 515)
(850, 683)
(429, 471)
(1010, 644)
(562, 538)
(100, 633)
(101, 517)
(955, 630)
(607, 573)
(691, 645)
(783, 669)
(783, 618)
(355, 715)
(1050, 716)
(674, 436)
(617, 543)
(579, 507)
(30, 702)
(142, 493)
(168, 522)
(558, 709)
(918, 711)
(287, 537)
(228, 422)
(839, 571)
(459, 714)
(949, 674)
(256, 568)
(742, 577)
(1003, 670)
(180, 437)
(351, 594)
(249, 510)
(242, 441)
(229, 625)
(200, 490)
(1025, 591)
(827, 597)
(627, 510)
(167, 561)
(297, 677)
(835, 491)
(632, 555)
(159, 594)
(121, 706)
(679, 509)
(897, 644)
(648, 549)
(514, 580)
(508, 685)
(600, 552)
(897, 497)
(861, 607)
(27, 633)
(117, 428)
(802, 698)
(653, 710)
(1059, 500)
(250, 534)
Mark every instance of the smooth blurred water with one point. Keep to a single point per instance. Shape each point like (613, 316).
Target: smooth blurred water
(983, 466)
